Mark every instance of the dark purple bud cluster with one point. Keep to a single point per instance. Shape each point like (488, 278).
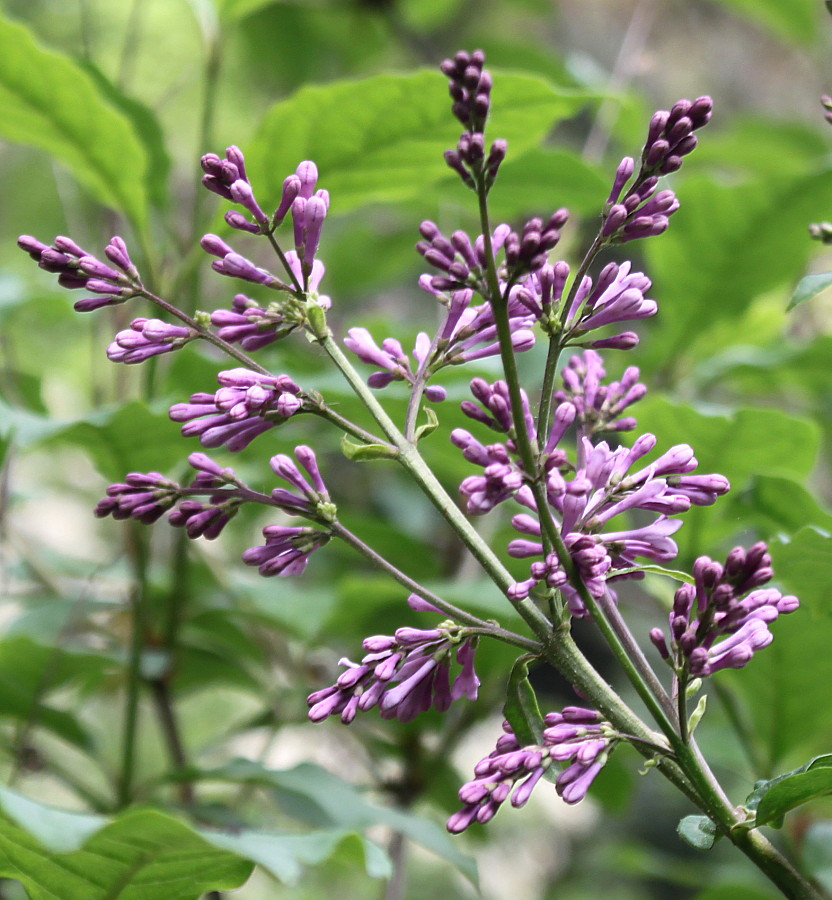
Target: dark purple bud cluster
(146, 497)
(76, 268)
(148, 337)
(721, 620)
(402, 674)
(528, 252)
(470, 90)
(643, 211)
(576, 735)
(599, 406)
(287, 549)
(247, 404)
(670, 135)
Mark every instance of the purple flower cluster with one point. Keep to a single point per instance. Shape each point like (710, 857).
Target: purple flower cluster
(722, 619)
(470, 89)
(288, 548)
(599, 406)
(76, 268)
(148, 337)
(308, 208)
(576, 735)
(147, 496)
(467, 332)
(247, 404)
(643, 211)
(600, 488)
(403, 674)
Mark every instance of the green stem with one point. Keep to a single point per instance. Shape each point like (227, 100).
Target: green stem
(460, 615)
(544, 413)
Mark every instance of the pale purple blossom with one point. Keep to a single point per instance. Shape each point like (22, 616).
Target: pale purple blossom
(246, 405)
(402, 674)
(148, 337)
(576, 736)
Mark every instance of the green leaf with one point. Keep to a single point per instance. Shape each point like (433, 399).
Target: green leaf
(521, 709)
(778, 506)
(325, 801)
(286, 856)
(131, 438)
(774, 798)
(141, 855)
(817, 853)
(698, 831)
(733, 227)
(147, 129)
(49, 102)
(809, 287)
(381, 139)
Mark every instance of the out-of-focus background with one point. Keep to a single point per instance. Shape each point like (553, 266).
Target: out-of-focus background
(234, 655)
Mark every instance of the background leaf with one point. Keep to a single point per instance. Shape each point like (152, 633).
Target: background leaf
(381, 139)
(51, 103)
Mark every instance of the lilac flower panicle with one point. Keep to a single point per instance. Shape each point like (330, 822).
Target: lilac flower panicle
(145, 497)
(402, 674)
(599, 406)
(643, 211)
(575, 736)
(722, 619)
(246, 405)
(148, 337)
(286, 550)
(76, 268)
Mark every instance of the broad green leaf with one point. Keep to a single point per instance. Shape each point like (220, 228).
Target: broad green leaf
(782, 690)
(381, 139)
(792, 20)
(325, 801)
(147, 129)
(142, 855)
(809, 287)
(542, 180)
(778, 506)
(817, 853)
(49, 102)
(698, 831)
(732, 228)
(775, 798)
(521, 709)
(737, 444)
(131, 438)
(287, 856)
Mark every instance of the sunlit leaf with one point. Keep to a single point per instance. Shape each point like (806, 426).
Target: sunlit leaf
(49, 102)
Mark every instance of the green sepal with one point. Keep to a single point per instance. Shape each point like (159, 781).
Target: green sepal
(365, 452)
(316, 320)
(696, 715)
(429, 427)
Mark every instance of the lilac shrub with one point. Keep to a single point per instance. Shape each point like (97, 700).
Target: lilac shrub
(589, 509)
